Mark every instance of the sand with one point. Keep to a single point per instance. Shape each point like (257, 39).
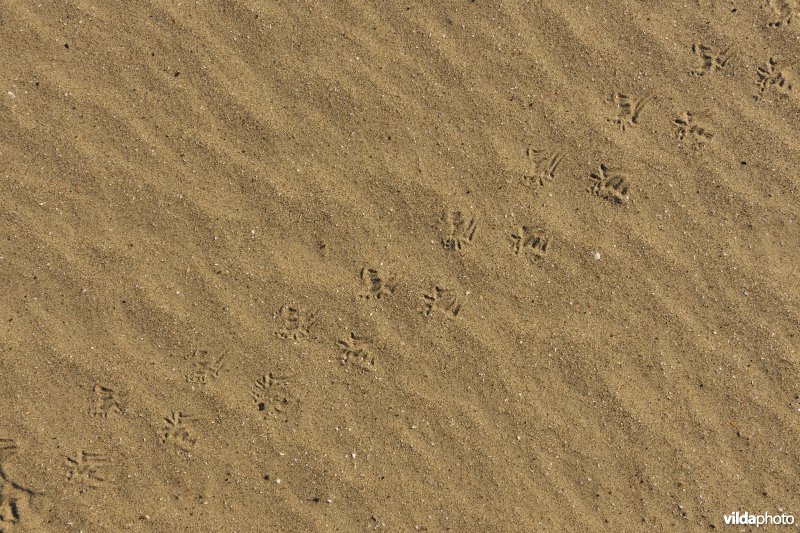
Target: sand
(443, 266)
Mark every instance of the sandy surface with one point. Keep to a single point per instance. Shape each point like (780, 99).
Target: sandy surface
(343, 266)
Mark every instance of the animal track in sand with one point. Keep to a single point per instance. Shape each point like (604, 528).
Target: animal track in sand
(269, 394)
(176, 431)
(206, 368)
(377, 283)
(689, 129)
(14, 501)
(529, 241)
(14, 498)
(771, 76)
(8, 447)
(627, 109)
(542, 166)
(107, 401)
(87, 469)
(441, 299)
(355, 351)
(609, 186)
(781, 11)
(459, 229)
(709, 59)
(295, 323)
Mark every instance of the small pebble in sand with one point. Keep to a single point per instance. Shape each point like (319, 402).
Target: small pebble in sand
(596, 256)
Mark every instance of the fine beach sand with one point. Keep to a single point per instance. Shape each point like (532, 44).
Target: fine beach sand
(440, 266)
